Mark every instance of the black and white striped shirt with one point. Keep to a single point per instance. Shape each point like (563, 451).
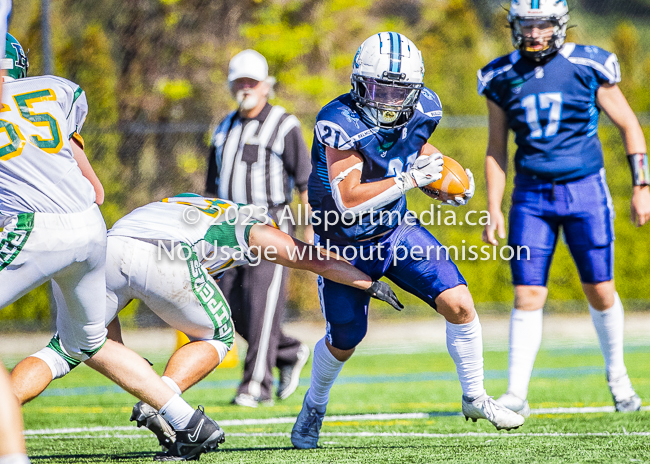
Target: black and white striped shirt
(258, 160)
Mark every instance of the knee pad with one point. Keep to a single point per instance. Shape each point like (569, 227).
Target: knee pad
(57, 363)
(347, 336)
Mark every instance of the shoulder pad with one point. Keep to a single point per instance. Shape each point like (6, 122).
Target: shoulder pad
(429, 104)
(51, 81)
(339, 126)
(496, 67)
(604, 63)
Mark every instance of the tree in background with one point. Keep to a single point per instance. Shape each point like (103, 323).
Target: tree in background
(155, 75)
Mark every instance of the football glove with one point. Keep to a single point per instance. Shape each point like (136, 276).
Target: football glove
(469, 193)
(425, 169)
(383, 292)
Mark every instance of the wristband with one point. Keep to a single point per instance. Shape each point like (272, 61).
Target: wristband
(639, 166)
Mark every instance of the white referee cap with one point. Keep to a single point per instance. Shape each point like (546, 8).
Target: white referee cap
(248, 63)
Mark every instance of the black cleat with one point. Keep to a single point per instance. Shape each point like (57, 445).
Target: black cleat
(146, 416)
(202, 435)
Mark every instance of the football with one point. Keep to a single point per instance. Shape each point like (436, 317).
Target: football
(454, 181)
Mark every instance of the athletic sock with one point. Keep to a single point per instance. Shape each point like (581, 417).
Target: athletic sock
(324, 370)
(172, 384)
(17, 458)
(609, 327)
(177, 412)
(465, 345)
(525, 339)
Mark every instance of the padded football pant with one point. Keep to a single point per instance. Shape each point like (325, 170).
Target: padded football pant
(582, 208)
(257, 296)
(69, 249)
(177, 290)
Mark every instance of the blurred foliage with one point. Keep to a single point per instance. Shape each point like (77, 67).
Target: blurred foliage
(154, 72)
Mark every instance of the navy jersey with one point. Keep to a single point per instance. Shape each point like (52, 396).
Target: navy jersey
(552, 109)
(385, 153)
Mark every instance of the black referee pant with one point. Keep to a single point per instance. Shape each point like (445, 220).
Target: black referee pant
(257, 295)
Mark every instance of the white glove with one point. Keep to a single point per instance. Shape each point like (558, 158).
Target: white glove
(425, 169)
(469, 193)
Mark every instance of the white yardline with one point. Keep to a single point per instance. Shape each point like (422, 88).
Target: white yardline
(346, 418)
(391, 434)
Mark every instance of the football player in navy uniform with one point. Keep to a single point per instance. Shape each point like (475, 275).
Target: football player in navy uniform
(370, 147)
(550, 94)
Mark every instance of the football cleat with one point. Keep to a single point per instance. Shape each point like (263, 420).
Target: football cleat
(290, 375)
(147, 416)
(304, 434)
(631, 404)
(514, 403)
(625, 398)
(202, 435)
(250, 401)
(486, 408)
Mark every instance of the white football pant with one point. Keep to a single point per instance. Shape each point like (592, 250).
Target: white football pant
(69, 249)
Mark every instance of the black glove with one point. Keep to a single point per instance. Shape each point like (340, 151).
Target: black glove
(383, 292)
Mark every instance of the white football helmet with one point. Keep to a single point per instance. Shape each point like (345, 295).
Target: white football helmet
(555, 11)
(387, 76)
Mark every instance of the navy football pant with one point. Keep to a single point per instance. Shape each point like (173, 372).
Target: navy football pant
(582, 208)
(409, 256)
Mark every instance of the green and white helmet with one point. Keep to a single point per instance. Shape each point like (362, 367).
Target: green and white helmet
(15, 60)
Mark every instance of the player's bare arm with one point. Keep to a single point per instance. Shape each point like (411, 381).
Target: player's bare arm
(496, 167)
(613, 102)
(87, 170)
(281, 248)
(309, 229)
(354, 193)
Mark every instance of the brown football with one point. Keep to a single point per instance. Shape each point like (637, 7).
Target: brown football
(453, 183)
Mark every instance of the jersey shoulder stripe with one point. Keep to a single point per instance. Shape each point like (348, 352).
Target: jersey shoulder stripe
(495, 68)
(429, 104)
(604, 63)
(75, 96)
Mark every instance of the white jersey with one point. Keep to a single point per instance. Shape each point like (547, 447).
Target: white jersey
(38, 172)
(217, 230)
(5, 11)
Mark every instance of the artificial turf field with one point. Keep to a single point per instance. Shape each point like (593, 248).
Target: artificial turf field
(397, 408)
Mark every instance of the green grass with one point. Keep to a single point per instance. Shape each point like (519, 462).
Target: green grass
(369, 384)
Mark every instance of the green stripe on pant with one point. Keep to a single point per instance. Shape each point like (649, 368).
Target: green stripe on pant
(210, 297)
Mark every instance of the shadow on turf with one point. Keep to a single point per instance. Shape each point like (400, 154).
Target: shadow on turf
(96, 457)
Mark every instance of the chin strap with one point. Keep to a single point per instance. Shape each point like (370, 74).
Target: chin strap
(640, 171)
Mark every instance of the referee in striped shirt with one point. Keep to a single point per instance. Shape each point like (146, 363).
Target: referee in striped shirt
(258, 156)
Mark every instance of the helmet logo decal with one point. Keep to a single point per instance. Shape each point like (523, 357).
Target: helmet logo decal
(20, 58)
(356, 63)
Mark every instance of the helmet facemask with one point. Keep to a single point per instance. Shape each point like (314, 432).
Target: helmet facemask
(521, 41)
(385, 102)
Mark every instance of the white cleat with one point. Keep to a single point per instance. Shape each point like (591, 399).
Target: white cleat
(625, 398)
(514, 403)
(631, 404)
(486, 408)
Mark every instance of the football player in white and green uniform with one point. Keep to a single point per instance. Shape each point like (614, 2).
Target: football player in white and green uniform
(12, 445)
(167, 253)
(53, 230)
